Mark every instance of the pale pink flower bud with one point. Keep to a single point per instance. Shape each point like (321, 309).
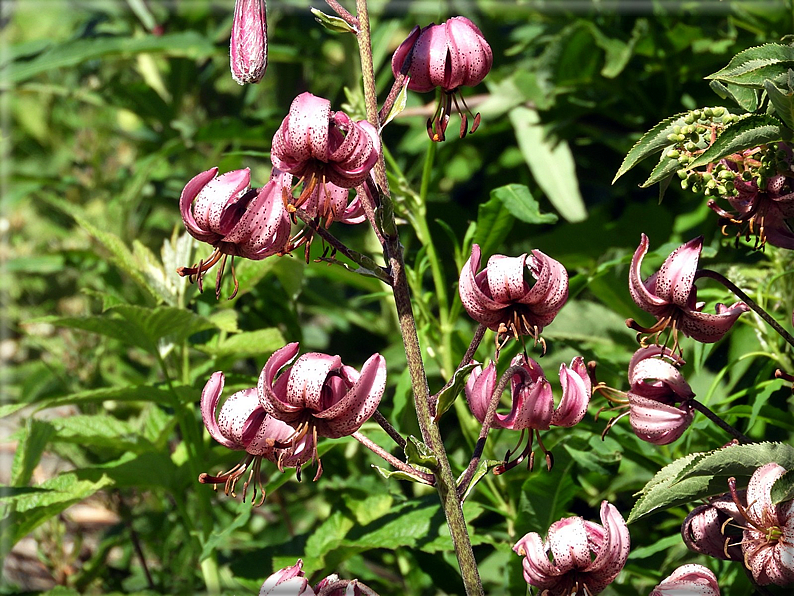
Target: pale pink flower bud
(711, 529)
(585, 557)
(450, 55)
(234, 218)
(501, 298)
(289, 581)
(671, 296)
(688, 580)
(248, 46)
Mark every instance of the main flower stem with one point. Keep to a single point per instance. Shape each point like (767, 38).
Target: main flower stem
(706, 411)
(445, 481)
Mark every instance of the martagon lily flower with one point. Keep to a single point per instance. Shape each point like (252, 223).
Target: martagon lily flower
(289, 581)
(318, 147)
(234, 218)
(248, 46)
(500, 297)
(587, 557)
(318, 395)
(532, 400)
(688, 580)
(450, 55)
(671, 296)
(713, 529)
(242, 424)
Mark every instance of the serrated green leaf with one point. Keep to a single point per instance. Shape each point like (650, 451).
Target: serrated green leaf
(652, 141)
(335, 24)
(701, 475)
(754, 130)
(783, 488)
(247, 343)
(753, 60)
(551, 163)
(666, 168)
(494, 223)
(782, 102)
(522, 205)
(745, 97)
(419, 454)
(30, 446)
(448, 395)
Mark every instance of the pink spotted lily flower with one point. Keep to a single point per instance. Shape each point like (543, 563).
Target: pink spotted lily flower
(532, 400)
(319, 147)
(318, 395)
(713, 529)
(329, 202)
(671, 296)
(242, 424)
(587, 557)
(450, 55)
(501, 298)
(688, 580)
(237, 220)
(248, 46)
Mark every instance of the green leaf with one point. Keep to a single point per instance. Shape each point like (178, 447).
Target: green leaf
(398, 474)
(782, 102)
(246, 344)
(745, 97)
(522, 205)
(551, 163)
(30, 446)
(482, 469)
(419, 454)
(754, 65)
(664, 170)
(99, 430)
(398, 106)
(700, 475)
(190, 44)
(546, 496)
(33, 509)
(652, 141)
(754, 130)
(138, 470)
(136, 393)
(448, 395)
(138, 325)
(335, 24)
(494, 223)
(223, 536)
(783, 488)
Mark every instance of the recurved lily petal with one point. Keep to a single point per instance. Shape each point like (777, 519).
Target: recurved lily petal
(657, 422)
(614, 553)
(652, 376)
(576, 393)
(708, 328)
(289, 581)
(706, 529)
(210, 396)
(644, 297)
(676, 277)
(688, 580)
(760, 508)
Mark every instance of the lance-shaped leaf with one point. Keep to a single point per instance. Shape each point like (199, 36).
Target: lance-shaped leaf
(522, 205)
(754, 65)
(783, 488)
(754, 130)
(335, 24)
(782, 102)
(745, 97)
(652, 141)
(666, 167)
(482, 469)
(419, 454)
(448, 395)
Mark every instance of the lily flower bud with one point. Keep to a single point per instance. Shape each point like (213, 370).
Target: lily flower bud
(688, 580)
(248, 46)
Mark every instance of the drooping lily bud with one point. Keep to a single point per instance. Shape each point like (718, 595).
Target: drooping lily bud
(659, 398)
(501, 298)
(585, 557)
(713, 529)
(688, 580)
(234, 218)
(671, 296)
(449, 56)
(248, 46)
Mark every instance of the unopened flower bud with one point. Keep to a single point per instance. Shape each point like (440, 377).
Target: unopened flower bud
(248, 47)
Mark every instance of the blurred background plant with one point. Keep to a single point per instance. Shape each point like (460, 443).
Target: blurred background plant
(110, 107)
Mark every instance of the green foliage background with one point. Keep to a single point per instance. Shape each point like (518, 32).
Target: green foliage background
(110, 107)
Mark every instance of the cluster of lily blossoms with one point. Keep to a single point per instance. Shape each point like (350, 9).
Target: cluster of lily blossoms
(747, 526)
(281, 419)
